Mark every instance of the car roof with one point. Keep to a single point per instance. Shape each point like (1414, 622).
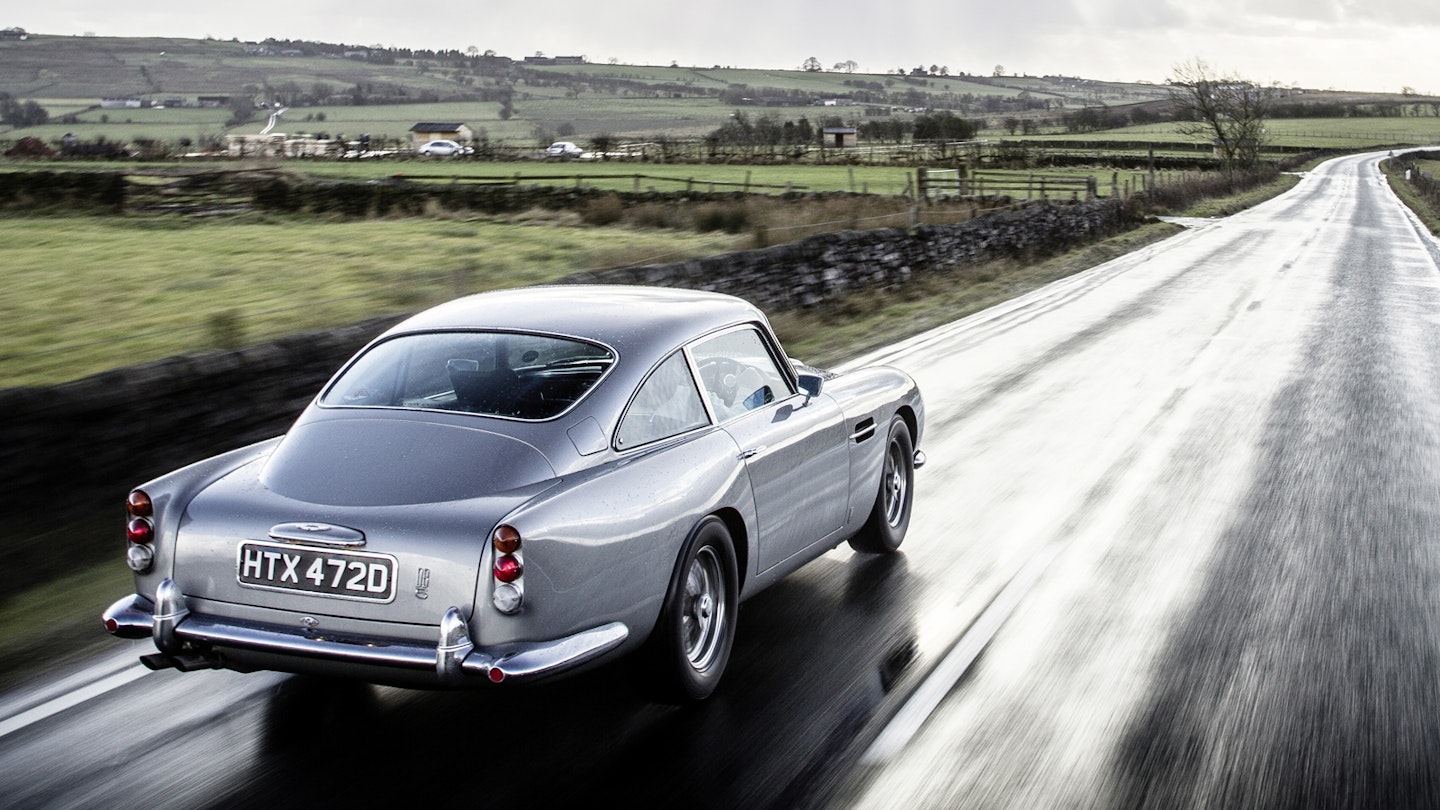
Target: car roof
(630, 319)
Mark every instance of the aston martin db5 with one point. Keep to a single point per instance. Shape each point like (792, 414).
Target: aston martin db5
(520, 484)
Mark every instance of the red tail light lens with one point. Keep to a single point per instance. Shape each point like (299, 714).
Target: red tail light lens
(140, 530)
(508, 568)
(139, 505)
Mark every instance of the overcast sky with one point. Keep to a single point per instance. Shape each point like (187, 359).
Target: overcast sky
(1378, 45)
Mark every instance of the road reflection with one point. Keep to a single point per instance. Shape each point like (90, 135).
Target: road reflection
(818, 660)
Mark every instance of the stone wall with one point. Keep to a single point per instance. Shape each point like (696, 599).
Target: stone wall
(72, 451)
(812, 270)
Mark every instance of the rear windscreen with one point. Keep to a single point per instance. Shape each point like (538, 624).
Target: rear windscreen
(508, 374)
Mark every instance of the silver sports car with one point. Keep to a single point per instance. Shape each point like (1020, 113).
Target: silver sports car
(524, 483)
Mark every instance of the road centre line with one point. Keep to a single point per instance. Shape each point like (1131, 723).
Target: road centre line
(927, 697)
(66, 694)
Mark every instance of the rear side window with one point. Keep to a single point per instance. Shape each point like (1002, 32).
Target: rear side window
(667, 404)
(507, 374)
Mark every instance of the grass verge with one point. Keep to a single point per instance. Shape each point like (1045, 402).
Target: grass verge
(1428, 213)
(1225, 206)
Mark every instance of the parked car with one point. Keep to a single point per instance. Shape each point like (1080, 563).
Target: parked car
(520, 484)
(563, 149)
(444, 149)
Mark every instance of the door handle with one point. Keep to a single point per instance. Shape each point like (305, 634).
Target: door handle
(752, 452)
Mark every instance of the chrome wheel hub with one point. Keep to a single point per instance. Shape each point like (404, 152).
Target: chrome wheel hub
(703, 617)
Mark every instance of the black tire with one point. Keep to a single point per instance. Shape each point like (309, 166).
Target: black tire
(691, 643)
(890, 516)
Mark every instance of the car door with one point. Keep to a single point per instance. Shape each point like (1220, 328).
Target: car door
(794, 449)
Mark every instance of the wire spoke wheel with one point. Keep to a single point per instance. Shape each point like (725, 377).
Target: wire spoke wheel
(895, 484)
(703, 612)
(696, 629)
(890, 516)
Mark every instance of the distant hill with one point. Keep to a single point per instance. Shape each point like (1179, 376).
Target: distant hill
(510, 97)
(210, 87)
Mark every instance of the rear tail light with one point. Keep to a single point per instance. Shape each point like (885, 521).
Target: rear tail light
(508, 568)
(140, 532)
(508, 571)
(507, 540)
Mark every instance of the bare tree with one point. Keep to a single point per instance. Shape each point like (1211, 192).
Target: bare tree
(811, 65)
(1230, 110)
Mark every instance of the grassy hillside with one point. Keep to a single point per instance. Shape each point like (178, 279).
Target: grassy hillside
(69, 76)
(525, 104)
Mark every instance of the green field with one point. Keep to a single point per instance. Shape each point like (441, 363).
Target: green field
(1319, 133)
(622, 176)
(85, 294)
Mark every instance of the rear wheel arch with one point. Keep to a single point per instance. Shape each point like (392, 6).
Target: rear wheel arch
(740, 538)
(685, 655)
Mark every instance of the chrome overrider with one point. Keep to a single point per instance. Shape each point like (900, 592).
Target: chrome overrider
(454, 658)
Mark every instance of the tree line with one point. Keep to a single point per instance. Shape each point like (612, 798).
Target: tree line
(771, 131)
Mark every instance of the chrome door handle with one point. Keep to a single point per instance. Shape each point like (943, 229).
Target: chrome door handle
(752, 452)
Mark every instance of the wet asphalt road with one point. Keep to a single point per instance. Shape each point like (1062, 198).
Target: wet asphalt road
(1223, 452)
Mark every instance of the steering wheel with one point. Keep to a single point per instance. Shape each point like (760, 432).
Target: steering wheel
(720, 375)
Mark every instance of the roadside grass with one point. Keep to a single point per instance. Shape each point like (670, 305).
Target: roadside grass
(1225, 206)
(60, 620)
(1427, 212)
(1315, 133)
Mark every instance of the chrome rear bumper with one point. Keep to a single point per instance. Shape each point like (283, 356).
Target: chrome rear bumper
(181, 637)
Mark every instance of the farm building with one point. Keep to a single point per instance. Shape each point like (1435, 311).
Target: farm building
(440, 131)
(278, 144)
(840, 138)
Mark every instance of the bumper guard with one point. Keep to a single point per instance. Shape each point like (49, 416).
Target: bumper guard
(454, 658)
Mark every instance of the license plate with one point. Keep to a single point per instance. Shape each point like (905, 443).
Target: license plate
(343, 575)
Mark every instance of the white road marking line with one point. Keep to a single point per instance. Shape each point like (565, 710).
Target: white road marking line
(59, 704)
(928, 696)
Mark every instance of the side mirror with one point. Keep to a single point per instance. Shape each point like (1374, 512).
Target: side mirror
(810, 384)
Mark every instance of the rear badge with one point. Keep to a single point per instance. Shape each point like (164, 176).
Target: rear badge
(422, 584)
